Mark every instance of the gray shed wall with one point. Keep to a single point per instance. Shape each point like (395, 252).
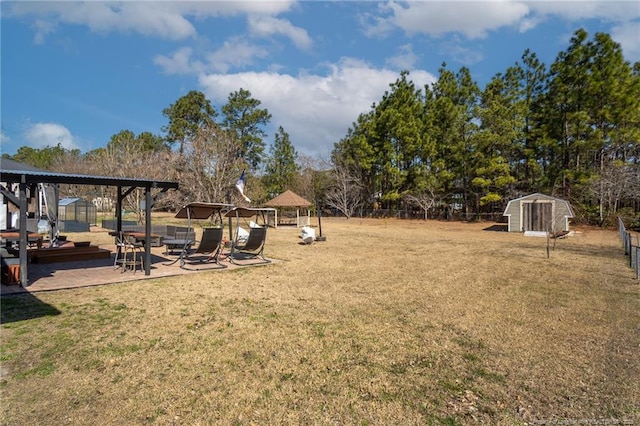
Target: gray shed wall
(561, 211)
(513, 209)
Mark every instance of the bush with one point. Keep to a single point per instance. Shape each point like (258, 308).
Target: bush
(630, 217)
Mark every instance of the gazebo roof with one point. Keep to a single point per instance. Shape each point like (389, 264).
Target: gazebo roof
(288, 199)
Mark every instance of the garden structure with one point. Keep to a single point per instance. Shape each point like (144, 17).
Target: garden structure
(291, 209)
(19, 188)
(76, 214)
(538, 213)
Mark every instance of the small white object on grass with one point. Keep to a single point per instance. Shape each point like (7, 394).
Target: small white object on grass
(308, 234)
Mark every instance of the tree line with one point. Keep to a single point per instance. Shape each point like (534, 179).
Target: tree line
(570, 130)
(203, 149)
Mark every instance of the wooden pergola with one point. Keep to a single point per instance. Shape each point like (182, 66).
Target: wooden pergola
(26, 178)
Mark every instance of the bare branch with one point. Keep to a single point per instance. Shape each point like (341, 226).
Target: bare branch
(346, 192)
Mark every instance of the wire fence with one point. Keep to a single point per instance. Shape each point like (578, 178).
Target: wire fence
(419, 214)
(630, 249)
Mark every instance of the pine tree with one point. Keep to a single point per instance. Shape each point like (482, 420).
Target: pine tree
(281, 168)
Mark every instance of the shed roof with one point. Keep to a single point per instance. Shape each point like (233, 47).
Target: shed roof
(288, 199)
(537, 196)
(67, 201)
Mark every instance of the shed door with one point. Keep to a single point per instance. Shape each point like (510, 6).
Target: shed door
(537, 216)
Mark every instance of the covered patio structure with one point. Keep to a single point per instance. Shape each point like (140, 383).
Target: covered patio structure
(287, 202)
(19, 183)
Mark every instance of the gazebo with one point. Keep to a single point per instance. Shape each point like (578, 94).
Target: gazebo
(287, 202)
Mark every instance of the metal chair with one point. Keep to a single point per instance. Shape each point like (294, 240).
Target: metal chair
(127, 250)
(209, 244)
(252, 248)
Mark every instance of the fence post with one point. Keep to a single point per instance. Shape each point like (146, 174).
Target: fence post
(637, 266)
(621, 228)
(634, 260)
(629, 248)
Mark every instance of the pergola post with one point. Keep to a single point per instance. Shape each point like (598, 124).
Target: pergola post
(22, 224)
(148, 204)
(119, 209)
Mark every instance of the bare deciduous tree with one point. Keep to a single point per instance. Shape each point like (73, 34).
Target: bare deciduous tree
(346, 192)
(313, 179)
(426, 199)
(211, 166)
(616, 182)
(128, 158)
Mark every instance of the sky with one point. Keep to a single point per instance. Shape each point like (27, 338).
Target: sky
(77, 73)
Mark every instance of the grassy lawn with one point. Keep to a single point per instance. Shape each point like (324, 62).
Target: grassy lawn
(387, 322)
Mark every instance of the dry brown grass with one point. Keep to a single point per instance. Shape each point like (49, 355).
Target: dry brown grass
(387, 322)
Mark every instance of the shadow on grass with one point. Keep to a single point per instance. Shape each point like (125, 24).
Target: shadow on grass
(24, 306)
(497, 228)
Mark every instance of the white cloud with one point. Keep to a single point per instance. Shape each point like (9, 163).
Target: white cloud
(235, 52)
(404, 60)
(316, 110)
(376, 26)
(460, 52)
(42, 29)
(628, 35)
(4, 138)
(573, 10)
(155, 20)
(229, 8)
(41, 135)
(265, 26)
(160, 19)
(179, 62)
(473, 19)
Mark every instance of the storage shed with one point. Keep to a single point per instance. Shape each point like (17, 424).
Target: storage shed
(76, 214)
(538, 213)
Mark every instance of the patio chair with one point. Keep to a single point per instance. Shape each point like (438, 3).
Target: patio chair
(252, 248)
(209, 244)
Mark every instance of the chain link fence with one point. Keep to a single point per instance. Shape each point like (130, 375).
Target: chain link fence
(630, 249)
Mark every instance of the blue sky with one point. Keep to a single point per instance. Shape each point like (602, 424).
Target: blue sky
(77, 73)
